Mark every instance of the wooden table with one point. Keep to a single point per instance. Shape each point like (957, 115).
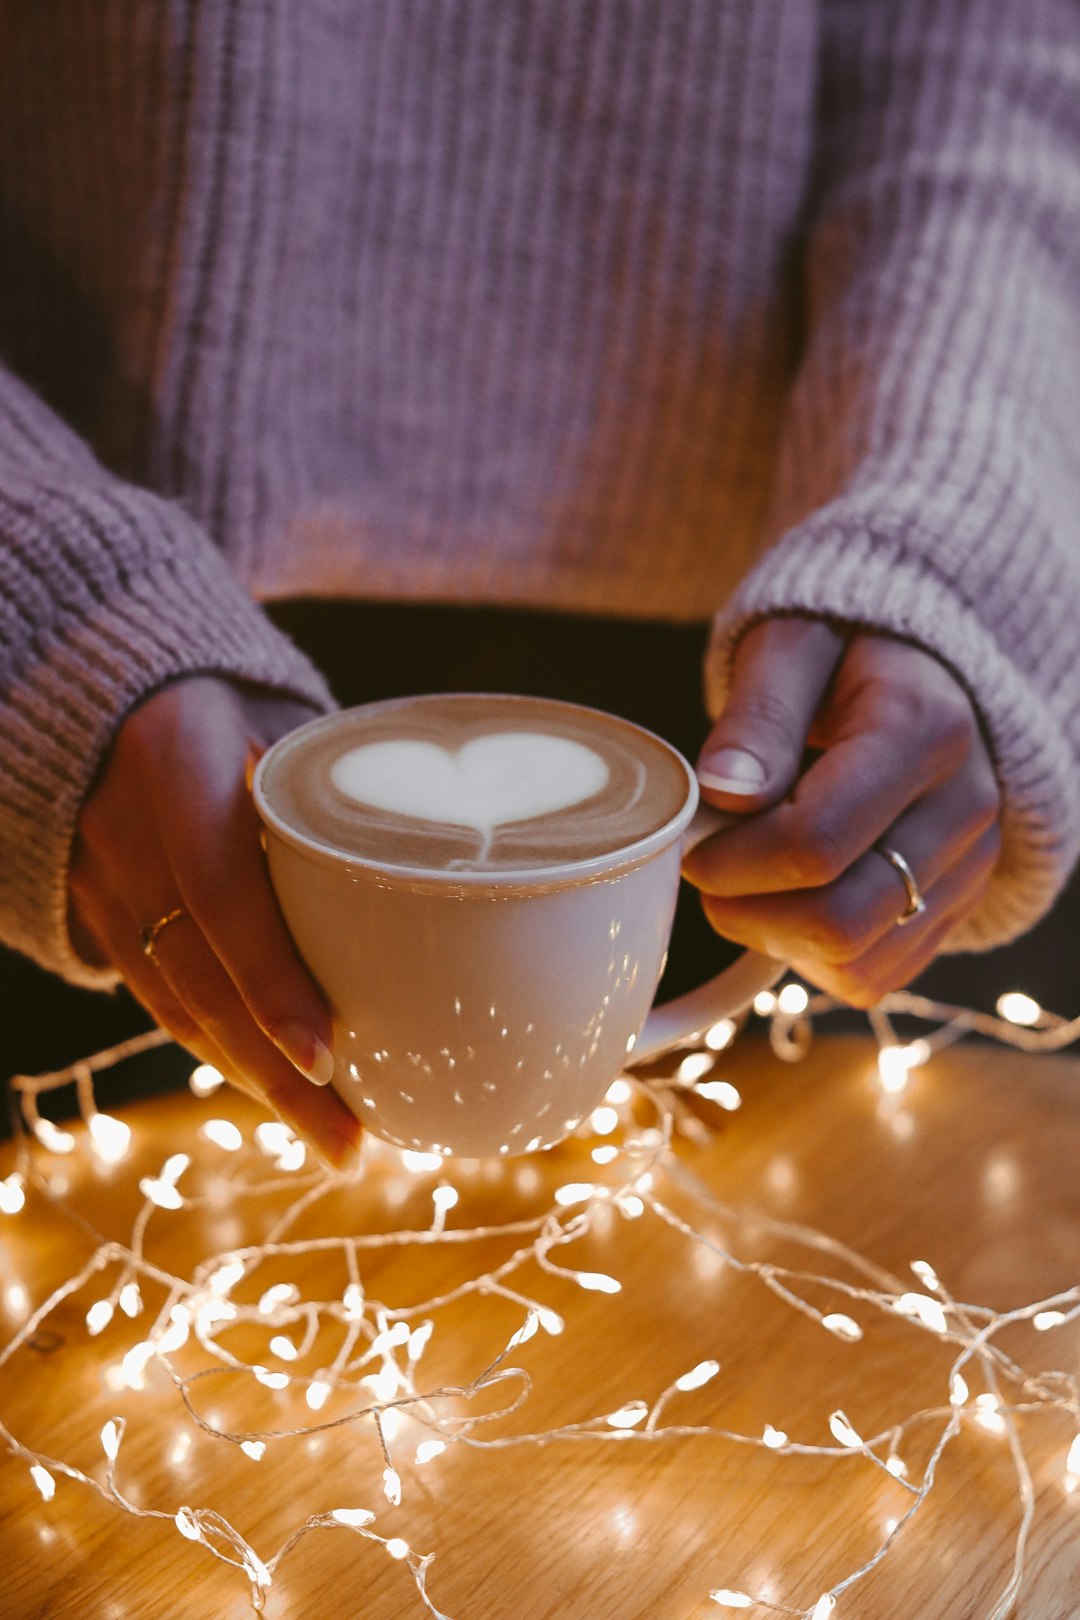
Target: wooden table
(973, 1169)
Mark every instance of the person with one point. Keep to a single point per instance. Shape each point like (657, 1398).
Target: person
(765, 314)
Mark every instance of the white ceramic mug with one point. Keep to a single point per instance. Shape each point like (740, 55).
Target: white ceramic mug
(481, 1013)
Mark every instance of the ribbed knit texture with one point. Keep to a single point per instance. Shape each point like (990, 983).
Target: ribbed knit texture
(580, 305)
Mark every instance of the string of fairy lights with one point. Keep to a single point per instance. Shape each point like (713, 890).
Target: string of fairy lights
(379, 1363)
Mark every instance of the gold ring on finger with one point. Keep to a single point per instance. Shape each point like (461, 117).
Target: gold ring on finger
(150, 931)
(916, 904)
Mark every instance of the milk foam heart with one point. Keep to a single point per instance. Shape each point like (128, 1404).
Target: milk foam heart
(502, 777)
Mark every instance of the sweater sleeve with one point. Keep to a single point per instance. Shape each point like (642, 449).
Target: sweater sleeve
(929, 477)
(106, 592)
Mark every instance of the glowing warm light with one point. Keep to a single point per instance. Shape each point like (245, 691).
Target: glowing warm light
(604, 1120)
(845, 1327)
(844, 1432)
(1045, 1320)
(99, 1316)
(930, 1312)
(223, 1133)
(273, 1138)
(253, 1449)
(774, 1438)
(317, 1394)
(135, 1363)
(895, 1064)
(722, 1092)
(391, 1483)
(272, 1380)
(552, 1322)
(730, 1600)
(283, 1347)
(630, 1205)
(110, 1440)
(897, 1467)
(52, 1138)
(693, 1066)
(12, 1196)
(44, 1481)
(161, 1193)
(421, 1161)
(926, 1273)
(988, 1413)
(720, 1035)
(574, 1192)
(397, 1548)
(619, 1092)
(418, 1340)
(605, 1153)
(130, 1299)
(444, 1197)
(224, 1278)
(186, 1524)
(389, 1339)
(205, 1079)
(698, 1376)
(824, 1606)
(428, 1449)
(765, 1003)
(353, 1517)
(525, 1331)
(16, 1299)
(276, 1296)
(793, 1000)
(598, 1282)
(1072, 1461)
(353, 1302)
(628, 1416)
(1017, 1008)
(109, 1137)
(958, 1390)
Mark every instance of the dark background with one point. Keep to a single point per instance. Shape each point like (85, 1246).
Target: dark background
(648, 672)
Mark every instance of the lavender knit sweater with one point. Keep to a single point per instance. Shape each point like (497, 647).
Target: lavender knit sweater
(703, 307)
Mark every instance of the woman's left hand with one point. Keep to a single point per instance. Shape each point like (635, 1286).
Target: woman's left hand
(899, 762)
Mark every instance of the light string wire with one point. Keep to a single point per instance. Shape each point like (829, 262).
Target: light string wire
(381, 1349)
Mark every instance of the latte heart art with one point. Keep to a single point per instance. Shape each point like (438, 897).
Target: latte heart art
(502, 777)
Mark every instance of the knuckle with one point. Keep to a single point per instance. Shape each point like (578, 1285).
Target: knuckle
(838, 928)
(769, 713)
(817, 854)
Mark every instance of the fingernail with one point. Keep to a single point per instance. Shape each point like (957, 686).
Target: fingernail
(306, 1052)
(730, 770)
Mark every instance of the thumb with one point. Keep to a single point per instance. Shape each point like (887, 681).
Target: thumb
(780, 674)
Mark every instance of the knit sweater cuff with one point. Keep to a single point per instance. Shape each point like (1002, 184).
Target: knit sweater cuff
(184, 616)
(859, 578)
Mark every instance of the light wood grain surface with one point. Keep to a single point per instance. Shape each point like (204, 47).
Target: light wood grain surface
(975, 1169)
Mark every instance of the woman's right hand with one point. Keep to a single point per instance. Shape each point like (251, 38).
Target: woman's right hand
(170, 827)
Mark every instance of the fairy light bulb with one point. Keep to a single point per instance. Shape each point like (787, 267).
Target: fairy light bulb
(525, 1331)
(605, 1153)
(693, 1067)
(353, 1302)
(1045, 1320)
(844, 1432)
(604, 1120)
(765, 1003)
(793, 1000)
(44, 1481)
(698, 1376)
(628, 1416)
(413, 1160)
(271, 1380)
(277, 1296)
(721, 1092)
(254, 1449)
(620, 1091)
(444, 1197)
(598, 1282)
(283, 1347)
(775, 1439)
(355, 1518)
(223, 1133)
(52, 1138)
(317, 1394)
(135, 1363)
(12, 1196)
(110, 1440)
(721, 1035)
(205, 1079)
(930, 1312)
(224, 1278)
(419, 1339)
(1017, 1008)
(397, 1548)
(427, 1450)
(574, 1192)
(99, 1316)
(958, 1390)
(109, 1137)
(843, 1326)
(727, 1599)
(186, 1524)
(392, 1486)
(130, 1300)
(824, 1607)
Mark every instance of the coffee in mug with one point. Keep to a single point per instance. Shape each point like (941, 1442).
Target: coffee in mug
(483, 887)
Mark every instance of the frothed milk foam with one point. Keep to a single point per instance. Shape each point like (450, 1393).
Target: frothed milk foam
(474, 783)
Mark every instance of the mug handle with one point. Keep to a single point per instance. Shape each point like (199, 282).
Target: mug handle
(682, 1021)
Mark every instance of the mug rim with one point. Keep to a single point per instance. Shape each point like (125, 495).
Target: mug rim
(565, 873)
